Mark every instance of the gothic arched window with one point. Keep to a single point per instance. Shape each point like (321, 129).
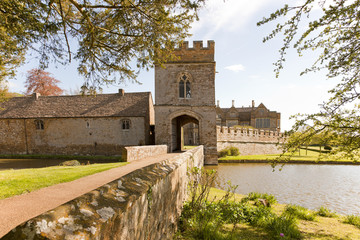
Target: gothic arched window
(181, 89)
(184, 85)
(188, 89)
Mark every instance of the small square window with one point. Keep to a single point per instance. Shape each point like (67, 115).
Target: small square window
(39, 124)
(125, 124)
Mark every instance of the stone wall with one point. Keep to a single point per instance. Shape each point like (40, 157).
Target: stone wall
(130, 154)
(251, 148)
(249, 141)
(12, 136)
(73, 136)
(144, 204)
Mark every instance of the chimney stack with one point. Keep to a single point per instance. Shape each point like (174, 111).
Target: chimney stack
(121, 92)
(253, 103)
(218, 103)
(36, 95)
(233, 103)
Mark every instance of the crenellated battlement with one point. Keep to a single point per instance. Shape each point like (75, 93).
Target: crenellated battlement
(248, 135)
(197, 45)
(198, 53)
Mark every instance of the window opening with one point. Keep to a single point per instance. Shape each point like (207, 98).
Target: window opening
(181, 89)
(126, 124)
(262, 123)
(39, 124)
(188, 90)
(87, 125)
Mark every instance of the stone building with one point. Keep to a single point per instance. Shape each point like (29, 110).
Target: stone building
(87, 125)
(185, 93)
(185, 113)
(257, 117)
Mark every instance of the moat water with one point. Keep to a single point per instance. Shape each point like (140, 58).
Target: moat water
(336, 187)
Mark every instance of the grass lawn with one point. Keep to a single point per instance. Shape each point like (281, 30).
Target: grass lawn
(309, 155)
(16, 182)
(323, 228)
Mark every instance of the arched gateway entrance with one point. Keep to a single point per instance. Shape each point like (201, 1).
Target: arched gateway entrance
(184, 130)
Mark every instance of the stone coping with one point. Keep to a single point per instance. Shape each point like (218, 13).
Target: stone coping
(133, 153)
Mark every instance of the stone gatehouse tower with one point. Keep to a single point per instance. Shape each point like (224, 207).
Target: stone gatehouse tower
(185, 93)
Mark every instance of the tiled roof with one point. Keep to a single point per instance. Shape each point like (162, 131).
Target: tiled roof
(101, 105)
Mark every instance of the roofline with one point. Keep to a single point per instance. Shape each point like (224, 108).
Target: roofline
(74, 117)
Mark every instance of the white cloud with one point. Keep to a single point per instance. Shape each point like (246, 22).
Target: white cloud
(230, 15)
(236, 68)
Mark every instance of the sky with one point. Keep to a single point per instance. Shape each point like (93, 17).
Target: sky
(244, 64)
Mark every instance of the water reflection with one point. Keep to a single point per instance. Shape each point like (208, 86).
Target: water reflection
(336, 187)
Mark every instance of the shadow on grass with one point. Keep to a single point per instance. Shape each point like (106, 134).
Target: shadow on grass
(323, 236)
(244, 231)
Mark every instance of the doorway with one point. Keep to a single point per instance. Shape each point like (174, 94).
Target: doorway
(184, 132)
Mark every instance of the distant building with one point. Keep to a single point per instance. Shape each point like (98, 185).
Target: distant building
(72, 125)
(257, 117)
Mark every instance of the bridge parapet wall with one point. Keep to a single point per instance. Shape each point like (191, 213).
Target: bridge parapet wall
(144, 204)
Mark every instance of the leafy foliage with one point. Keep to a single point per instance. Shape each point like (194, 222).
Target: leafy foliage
(325, 212)
(253, 196)
(205, 218)
(336, 35)
(106, 37)
(39, 81)
(230, 151)
(5, 94)
(353, 220)
(283, 227)
(299, 212)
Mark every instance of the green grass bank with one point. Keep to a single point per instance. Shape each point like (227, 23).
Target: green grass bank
(16, 182)
(286, 219)
(310, 156)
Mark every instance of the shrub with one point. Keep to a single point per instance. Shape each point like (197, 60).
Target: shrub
(223, 153)
(253, 196)
(299, 212)
(324, 212)
(283, 227)
(230, 151)
(353, 220)
(234, 151)
(204, 219)
(258, 216)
